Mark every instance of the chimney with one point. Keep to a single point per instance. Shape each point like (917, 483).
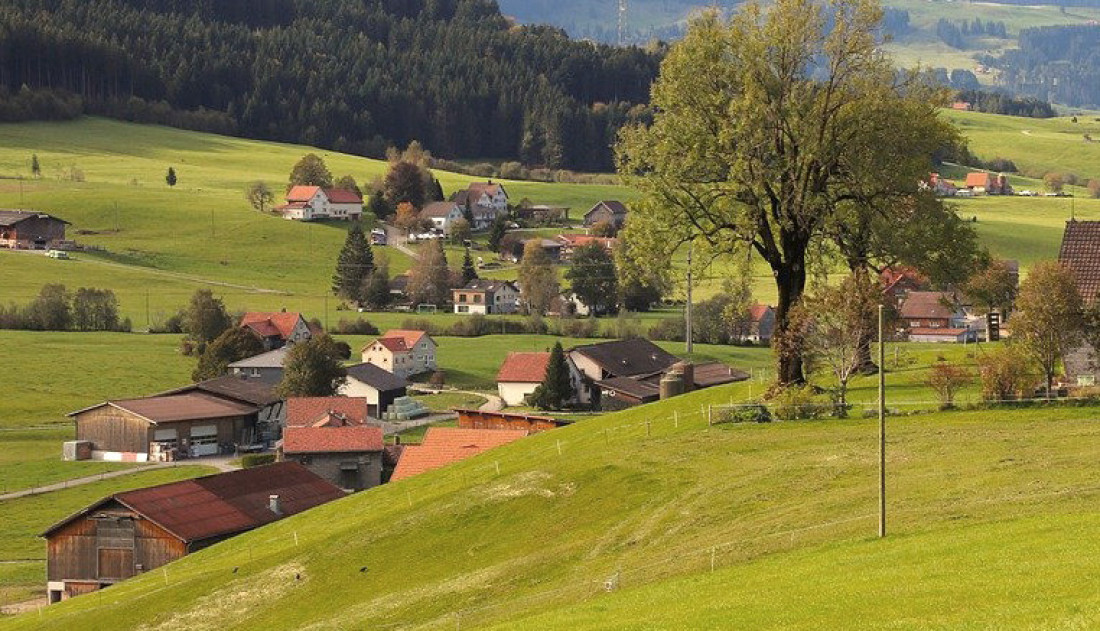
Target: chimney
(273, 504)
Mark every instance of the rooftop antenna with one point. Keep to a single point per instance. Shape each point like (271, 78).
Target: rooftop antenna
(622, 19)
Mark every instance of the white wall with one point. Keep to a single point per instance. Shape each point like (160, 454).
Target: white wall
(513, 393)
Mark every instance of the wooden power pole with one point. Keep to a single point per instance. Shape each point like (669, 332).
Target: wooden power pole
(881, 425)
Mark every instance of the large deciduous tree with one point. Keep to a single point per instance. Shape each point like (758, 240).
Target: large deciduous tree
(233, 345)
(259, 195)
(537, 278)
(206, 317)
(405, 183)
(592, 278)
(429, 277)
(353, 265)
(310, 171)
(771, 124)
(1048, 321)
(313, 369)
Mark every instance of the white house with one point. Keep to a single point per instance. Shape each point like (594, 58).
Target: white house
(377, 385)
(266, 367)
(442, 214)
(306, 203)
(485, 296)
(403, 353)
(521, 373)
(485, 200)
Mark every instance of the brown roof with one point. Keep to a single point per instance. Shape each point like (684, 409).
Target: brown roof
(488, 188)
(758, 311)
(636, 388)
(927, 304)
(616, 207)
(936, 331)
(343, 196)
(445, 445)
(628, 358)
(1081, 254)
(307, 411)
(524, 368)
(280, 324)
(301, 440)
(12, 217)
(179, 407)
(233, 387)
(224, 503)
(438, 209)
(716, 373)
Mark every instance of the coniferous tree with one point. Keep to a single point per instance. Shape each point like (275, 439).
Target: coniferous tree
(170, 177)
(469, 272)
(36, 168)
(354, 264)
(556, 389)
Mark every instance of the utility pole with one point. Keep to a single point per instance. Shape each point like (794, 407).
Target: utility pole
(687, 308)
(881, 425)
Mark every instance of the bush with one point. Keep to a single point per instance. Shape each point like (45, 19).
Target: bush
(358, 326)
(668, 330)
(256, 460)
(800, 403)
(574, 327)
(947, 379)
(174, 324)
(741, 414)
(1006, 375)
(472, 326)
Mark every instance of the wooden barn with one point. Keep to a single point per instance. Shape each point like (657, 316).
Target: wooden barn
(128, 533)
(188, 424)
(478, 419)
(28, 230)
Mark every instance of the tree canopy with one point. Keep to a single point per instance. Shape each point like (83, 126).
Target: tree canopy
(592, 278)
(313, 368)
(310, 171)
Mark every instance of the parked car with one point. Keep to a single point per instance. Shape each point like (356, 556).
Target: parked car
(57, 254)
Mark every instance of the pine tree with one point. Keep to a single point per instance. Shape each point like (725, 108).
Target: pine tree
(497, 232)
(469, 272)
(556, 389)
(36, 168)
(354, 265)
(170, 178)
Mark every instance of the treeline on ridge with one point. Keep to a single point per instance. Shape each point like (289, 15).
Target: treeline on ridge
(355, 76)
(1055, 63)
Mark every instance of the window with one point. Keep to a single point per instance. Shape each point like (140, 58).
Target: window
(463, 308)
(462, 297)
(477, 298)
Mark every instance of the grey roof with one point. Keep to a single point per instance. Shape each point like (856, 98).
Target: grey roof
(438, 209)
(233, 387)
(628, 358)
(616, 207)
(376, 377)
(270, 359)
(641, 390)
(12, 217)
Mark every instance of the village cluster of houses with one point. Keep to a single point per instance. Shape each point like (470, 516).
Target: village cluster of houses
(925, 315)
(977, 183)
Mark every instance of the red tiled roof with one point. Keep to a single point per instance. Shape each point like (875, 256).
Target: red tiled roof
(758, 311)
(487, 188)
(524, 368)
(410, 337)
(301, 193)
(978, 178)
(445, 445)
(1080, 253)
(891, 276)
(394, 344)
(299, 440)
(342, 196)
(279, 323)
(225, 503)
(306, 411)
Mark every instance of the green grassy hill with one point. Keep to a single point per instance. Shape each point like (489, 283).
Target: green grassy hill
(985, 506)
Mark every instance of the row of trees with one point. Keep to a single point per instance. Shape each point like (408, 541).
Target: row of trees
(455, 74)
(1053, 63)
(58, 309)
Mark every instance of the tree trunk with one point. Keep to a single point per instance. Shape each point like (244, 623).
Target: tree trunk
(790, 280)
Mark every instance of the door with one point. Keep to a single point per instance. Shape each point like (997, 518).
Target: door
(204, 440)
(116, 563)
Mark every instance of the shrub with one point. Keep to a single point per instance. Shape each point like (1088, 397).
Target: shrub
(571, 327)
(358, 326)
(668, 330)
(799, 403)
(256, 460)
(741, 414)
(947, 379)
(1006, 374)
(438, 378)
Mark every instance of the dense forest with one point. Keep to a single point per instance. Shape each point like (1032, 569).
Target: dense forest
(1060, 64)
(350, 75)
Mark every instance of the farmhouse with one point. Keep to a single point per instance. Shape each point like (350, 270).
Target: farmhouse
(278, 329)
(610, 211)
(621, 358)
(514, 251)
(531, 423)
(442, 215)
(130, 533)
(272, 410)
(979, 182)
(940, 186)
(378, 386)
(404, 353)
(306, 203)
(897, 282)
(486, 296)
(349, 457)
(521, 373)
(28, 230)
(190, 424)
(446, 445)
(760, 324)
(935, 316)
(485, 201)
(571, 242)
(265, 367)
(1080, 253)
(326, 411)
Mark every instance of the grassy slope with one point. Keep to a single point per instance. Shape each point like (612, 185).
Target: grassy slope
(1036, 145)
(171, 239)
(549, 529)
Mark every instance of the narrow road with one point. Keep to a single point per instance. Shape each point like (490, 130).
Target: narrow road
(221, 464)
(396, 240)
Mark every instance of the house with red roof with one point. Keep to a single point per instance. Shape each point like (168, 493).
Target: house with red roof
(278, 329)
(571, 242)
(349, 457)
(306, 203)
(935, 316)
(326, 411)
(521, 373)
(446, 445)
(759, 325)
(130, 533)
(402, 352)
(981, 182)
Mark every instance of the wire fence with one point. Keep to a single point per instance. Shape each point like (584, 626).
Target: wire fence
(254, 555)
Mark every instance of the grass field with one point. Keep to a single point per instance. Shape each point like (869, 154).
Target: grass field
(645, 496)
(22, 553)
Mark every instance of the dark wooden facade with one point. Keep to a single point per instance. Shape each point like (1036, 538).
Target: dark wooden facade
(107, 545)
(32, 231)
(113, 429)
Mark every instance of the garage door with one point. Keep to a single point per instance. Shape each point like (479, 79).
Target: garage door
(204, 440)
(164, 435)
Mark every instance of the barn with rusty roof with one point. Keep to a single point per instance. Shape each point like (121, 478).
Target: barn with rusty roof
(129, 533)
